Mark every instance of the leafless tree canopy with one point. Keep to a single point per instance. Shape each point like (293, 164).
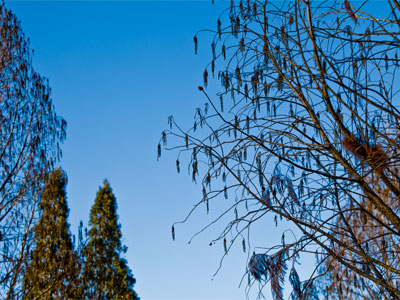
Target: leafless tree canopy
(306, 129)
(30, 133)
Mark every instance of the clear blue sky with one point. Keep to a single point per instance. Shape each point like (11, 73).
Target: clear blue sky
(117, 71)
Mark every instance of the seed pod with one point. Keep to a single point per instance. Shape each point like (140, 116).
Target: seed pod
(291, 20)
(195, 44)
(205, 77)
(158, 151)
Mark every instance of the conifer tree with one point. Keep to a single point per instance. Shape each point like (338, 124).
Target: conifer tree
(106, 273)
(52, 270)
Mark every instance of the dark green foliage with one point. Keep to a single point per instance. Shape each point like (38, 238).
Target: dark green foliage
(106, 274)
(52, 270)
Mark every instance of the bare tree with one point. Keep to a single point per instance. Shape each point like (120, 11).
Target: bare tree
(305, 129)
(30, 137)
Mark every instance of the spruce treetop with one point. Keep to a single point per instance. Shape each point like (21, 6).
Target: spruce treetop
(106, 274)
(53, 269)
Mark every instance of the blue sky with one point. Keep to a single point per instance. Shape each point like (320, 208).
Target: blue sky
(117, 71)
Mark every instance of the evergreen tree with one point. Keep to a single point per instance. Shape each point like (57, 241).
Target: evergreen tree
(52, 270)
(106, 273)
